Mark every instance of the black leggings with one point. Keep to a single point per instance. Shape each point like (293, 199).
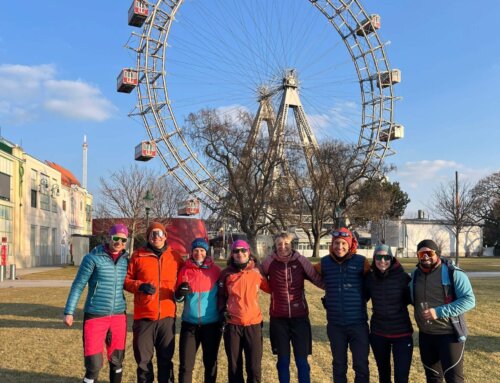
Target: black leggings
(247, 339)
(442, 355)
(192, 335)
(401, 350)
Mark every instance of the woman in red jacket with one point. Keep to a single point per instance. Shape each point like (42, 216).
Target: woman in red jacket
(239, 287)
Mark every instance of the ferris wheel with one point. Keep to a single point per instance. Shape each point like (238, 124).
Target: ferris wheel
(193, 54)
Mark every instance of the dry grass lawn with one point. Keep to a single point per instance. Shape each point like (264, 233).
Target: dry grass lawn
(36, 347)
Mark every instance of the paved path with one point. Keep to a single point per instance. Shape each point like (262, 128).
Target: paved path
(483, 274)
(35, 283)
(7, 283)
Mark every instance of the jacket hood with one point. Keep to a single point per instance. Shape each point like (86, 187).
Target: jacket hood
(191, 264)
(293, 256)
(101, 250)
(395, 267)
(252, 263)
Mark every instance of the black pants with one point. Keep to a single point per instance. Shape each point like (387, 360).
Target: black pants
(192, 335)
(402, 351)
(356, 338)
(151, 335)
(239, 339)
(442, 356)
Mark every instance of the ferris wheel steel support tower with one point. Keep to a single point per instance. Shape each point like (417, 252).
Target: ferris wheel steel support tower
(357, 29)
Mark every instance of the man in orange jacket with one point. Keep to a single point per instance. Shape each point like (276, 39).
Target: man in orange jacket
(151, 277)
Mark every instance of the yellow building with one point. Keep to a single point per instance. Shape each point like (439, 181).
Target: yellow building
(42, 205)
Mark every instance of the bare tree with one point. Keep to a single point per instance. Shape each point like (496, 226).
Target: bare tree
(455, 204)
(121, 196)
(325, 197)
(250, 179)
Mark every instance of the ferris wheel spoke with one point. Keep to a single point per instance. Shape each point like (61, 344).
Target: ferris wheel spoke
(222, 54)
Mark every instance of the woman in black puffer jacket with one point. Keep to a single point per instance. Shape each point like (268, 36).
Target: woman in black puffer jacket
(387, 285)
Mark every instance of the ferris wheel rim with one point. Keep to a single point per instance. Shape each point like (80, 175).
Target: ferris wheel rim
(367, 53)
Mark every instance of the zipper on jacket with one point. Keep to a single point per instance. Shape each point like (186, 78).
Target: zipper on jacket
(159, 281)
(287, 291)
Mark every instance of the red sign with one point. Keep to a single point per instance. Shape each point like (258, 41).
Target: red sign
(3, 252)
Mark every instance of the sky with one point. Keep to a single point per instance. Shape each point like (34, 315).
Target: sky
(58, 69)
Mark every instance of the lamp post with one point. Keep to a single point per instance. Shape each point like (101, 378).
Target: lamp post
(148, 199)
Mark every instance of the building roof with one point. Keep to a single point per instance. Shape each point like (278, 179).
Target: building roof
(67, 178)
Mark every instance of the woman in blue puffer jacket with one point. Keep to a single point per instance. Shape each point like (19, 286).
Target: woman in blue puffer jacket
(105, 321)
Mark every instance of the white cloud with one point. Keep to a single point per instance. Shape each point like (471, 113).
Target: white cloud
(339, 121)
(414, 173)
(29, 90)
(76, 99)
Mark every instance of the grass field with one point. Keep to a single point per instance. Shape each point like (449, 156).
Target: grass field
(36, 347)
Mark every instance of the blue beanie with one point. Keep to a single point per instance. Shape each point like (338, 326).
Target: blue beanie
(382, 248)
(199, 242)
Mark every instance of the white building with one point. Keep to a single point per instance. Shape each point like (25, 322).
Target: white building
(404, 235)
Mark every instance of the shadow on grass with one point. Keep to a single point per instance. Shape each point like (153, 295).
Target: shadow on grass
(482, 343)
(35, 310)
(16, 376)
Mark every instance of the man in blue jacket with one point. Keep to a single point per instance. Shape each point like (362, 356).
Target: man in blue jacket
(104, 270)
(343, 272)
(441, 293)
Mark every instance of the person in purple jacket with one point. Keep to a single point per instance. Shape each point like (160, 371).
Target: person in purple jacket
(286, 271)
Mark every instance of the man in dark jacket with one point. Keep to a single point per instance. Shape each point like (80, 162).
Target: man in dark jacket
(343, 271)
(441, 294)
(104, 269)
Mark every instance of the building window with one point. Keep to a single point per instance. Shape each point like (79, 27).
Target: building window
(34, 250)
(34, 179)
(4, 186)
(88, 213)
(33, 198)
(54, 192)
(64, 205)
(53, 243)
(44, 193)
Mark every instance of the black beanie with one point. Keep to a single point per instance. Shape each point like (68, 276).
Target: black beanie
(429, 243)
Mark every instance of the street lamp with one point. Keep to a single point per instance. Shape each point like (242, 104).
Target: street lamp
(148, 199)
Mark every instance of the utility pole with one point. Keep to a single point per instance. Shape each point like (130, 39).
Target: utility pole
(457, 217)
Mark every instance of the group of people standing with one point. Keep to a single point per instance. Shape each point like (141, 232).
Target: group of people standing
(225, 304)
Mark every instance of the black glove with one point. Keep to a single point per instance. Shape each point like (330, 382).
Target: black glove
(147, 288)
(183, 290)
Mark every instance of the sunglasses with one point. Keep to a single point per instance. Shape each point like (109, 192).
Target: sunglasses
(340, 234)
(157, 234)
(385, 257)
(236, 251)
(119, 239)
(428, 253)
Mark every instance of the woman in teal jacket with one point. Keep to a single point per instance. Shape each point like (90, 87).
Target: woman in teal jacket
(197, 287)
(104, 270)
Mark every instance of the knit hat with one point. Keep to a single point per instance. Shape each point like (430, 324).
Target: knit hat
(429, 243)
(240, 244)
(199, 243)
(119, 228)
(153, 226)
(383, 250)
(342, 233)
(345, 234)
